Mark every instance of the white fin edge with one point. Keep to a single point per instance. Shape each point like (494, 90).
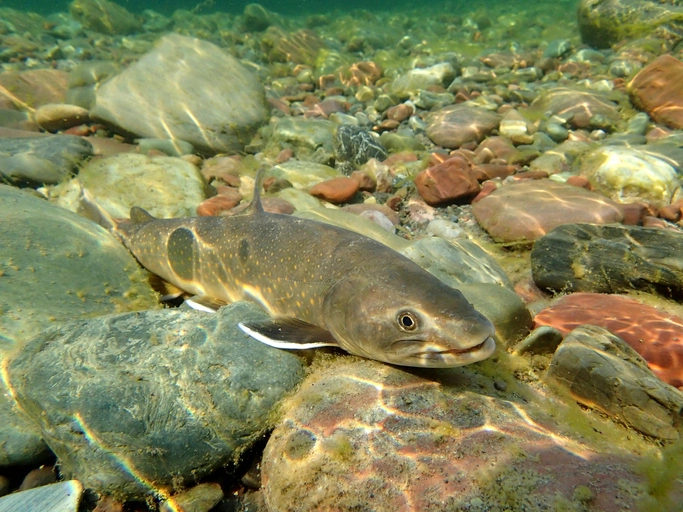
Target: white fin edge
(199, 307)
(281, 344)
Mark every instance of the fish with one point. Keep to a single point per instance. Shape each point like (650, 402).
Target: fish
(321, 285)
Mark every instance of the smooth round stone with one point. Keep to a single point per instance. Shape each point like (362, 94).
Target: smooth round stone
(657, 90)
(54, 117)
(58, 266)
(525, 211)
(414, 441)
(41, 160)
(164, 186)
(419, 79)
(455, 125)
(448, 181)
(213, 101)
(654, 334)
(169, 396)
(336, 191)
(630, 175)
(304, 134)
(445, 229)
(302, 174)
(557, 48)
(580, 108)
(169, 146)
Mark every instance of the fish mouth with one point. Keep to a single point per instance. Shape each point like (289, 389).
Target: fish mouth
(475, 348)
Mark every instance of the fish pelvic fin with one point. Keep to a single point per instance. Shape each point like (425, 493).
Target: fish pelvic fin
(203, 303)
(289, 333)
(256, 206)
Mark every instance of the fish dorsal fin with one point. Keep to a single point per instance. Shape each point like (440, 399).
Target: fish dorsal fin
(289, 333)
(255, 206)
(139, 215)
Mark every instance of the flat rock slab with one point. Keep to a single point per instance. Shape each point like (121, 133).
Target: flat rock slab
(58, 266)
(206, 98)
(602, 371)
(609, 259)
(140, 403)
(654, 334)
(41, 160)
(525, 211)
(365, 436)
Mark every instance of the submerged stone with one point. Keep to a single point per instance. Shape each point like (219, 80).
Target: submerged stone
(141, 403)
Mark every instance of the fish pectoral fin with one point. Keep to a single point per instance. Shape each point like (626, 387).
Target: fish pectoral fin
(167, 290)
(289, 333)
(203, 303)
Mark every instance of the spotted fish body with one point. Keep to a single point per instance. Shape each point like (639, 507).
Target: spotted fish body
(322, 285)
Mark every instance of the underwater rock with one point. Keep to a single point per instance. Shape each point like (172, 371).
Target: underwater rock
(104, 16)
(579, 108)
(256, 18)
(603, 23)
(448, 181)
(420, 79)
(658, 90)
(306, 135)
(353, 146)
(34, 87)
(167, 396)
(455, 125)
(59, 497)
(629, 174)
(525, 211)
(164, 186)
(654, 334)
(302, 174)
(41, 160)
(213, 101)
(336, 191)
(601, 371)
(609, 259)
(58, 266)
(20, 438)
(403, 441)
(53, 117)
(200, 498)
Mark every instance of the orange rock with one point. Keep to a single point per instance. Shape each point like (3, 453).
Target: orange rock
(657, 336)
(399, 112)
(216, 205)
(365, 182)
(673, 212)
(486, 188)
(579, 181)
(489, 171)
(446, 182)
(336, 190)
(658, 90)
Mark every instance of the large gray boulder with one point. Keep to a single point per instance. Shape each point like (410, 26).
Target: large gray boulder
(186, 89)
(136, 403)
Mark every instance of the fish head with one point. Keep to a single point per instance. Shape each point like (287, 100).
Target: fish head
(421, 324)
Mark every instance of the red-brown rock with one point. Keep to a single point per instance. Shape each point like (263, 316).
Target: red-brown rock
(456, 125)
(216, 205)
(446, 182)
(658, 90)
(358, 209)
(399, 112)
(35, 87)
(365, 181)
(657, 336)
(485, 172)
(336, 190)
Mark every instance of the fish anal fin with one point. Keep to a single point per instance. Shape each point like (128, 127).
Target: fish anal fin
(289, 333)
(203, 303)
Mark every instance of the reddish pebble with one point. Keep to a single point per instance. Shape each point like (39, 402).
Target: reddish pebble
(531, 175)
(633, 213)
(387, 125)
(654, 222)
(358, 209)
(486, 188)
(216, 205)
(394, 202)
(485, 172)
(108, 504)
(336, 190)
(579, 181)
(224, 168)
(399, 112)
(673, 212)
(400, 158)
(446, 182)
(284, 155)
(38, 477)
(658, 90)
(365, 182)
(281, 105)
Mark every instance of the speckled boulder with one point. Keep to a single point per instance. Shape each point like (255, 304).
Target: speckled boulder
(525, 211)
(366, 436)
(58, 266)
(212, 102)
(455, 125)
(630, 175)
(654, 334)
(142, 403)
(609, 259)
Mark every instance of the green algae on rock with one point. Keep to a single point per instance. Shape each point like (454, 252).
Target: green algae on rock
(58, 266)
(105, 17)
(139, 404)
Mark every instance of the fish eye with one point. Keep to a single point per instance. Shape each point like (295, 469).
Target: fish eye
(407, 321)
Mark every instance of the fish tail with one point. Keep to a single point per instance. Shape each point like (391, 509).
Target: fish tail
(89, 208)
